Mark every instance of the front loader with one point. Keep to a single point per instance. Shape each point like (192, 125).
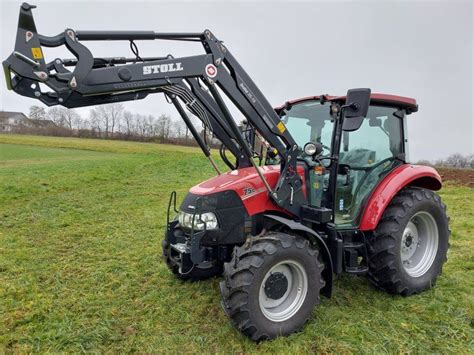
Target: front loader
(318, 186)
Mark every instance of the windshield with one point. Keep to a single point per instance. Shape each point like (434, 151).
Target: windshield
(309, 121)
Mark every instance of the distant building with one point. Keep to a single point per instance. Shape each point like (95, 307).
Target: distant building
(11, 121)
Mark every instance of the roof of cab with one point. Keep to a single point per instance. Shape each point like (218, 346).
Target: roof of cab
(382, 99)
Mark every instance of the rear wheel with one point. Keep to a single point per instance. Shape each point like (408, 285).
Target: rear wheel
(198, 272)
(409, 246)
(271, 285)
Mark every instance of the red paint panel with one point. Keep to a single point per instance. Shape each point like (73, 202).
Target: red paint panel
(404, 175)
(244, 180)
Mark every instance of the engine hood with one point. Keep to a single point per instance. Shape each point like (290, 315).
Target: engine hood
(247, 185)
(244, 181)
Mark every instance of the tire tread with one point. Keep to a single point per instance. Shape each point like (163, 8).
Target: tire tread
(383, 271)
(240, 271)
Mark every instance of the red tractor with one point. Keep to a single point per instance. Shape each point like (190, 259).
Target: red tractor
(319, 186)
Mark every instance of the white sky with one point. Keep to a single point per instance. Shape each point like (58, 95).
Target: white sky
(420, 49)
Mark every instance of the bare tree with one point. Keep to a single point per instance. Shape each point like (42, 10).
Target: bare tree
(56, 114)
(64, 117)
(457, 161)
(179, 128)
(163, 126)
(109, 115)
(151, 125)
(112, 121)
(195, 122)
(83, 124)
(95, 122)
(115, 111)
(141, 125)
(128, 120)
(73, 119)
(37, 113)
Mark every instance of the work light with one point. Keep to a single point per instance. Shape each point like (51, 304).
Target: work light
(310, 149)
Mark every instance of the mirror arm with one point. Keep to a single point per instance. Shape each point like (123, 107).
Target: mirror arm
(353, 106)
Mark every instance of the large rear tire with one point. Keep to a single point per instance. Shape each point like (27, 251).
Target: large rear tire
(271, 285)
(409, 246)
(197, 273)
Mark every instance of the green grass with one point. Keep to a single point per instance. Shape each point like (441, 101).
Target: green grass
(81, 223)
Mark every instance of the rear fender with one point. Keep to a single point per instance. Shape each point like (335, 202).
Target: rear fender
(402, 176)
(311, 234)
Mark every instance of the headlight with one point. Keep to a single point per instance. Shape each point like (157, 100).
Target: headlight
(310, 149)
(208, 218)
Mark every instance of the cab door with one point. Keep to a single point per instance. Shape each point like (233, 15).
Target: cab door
(366, 156)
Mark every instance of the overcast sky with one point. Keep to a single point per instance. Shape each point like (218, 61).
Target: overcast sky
(418, 49)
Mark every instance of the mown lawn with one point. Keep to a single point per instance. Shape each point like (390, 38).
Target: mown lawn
(81, 223)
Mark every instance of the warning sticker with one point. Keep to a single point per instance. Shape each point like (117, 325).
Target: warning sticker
(37, 53)
(281, 127)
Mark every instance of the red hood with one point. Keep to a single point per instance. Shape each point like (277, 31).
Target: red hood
(248, 185)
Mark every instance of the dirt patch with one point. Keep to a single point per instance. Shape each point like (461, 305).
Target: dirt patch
(457, 176)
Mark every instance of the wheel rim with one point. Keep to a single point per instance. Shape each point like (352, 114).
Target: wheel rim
(419, 244)
(283, 290)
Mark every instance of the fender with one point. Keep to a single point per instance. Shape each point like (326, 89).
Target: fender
(402, 176)
(328, 271)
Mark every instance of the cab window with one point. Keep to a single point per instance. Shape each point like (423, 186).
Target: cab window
(309, 122)
(369, 153)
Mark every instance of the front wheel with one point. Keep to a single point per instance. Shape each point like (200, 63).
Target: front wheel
(271, 285)
(409, 246)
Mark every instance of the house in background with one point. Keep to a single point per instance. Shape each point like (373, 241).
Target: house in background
(9, 121)
(13, 121)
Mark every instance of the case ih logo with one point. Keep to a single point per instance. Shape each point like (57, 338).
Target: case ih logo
(162, 68)
(211, 70)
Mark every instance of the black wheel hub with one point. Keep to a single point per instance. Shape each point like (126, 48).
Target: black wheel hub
(276, 286)
(408, 241)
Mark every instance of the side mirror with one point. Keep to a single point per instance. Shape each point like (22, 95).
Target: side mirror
(356, 108)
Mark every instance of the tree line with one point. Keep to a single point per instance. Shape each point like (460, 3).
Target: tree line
(110, 121)
(453, 161)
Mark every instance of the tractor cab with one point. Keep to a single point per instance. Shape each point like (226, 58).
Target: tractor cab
(366, 154)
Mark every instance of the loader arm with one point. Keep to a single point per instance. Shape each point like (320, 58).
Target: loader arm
(92, 81)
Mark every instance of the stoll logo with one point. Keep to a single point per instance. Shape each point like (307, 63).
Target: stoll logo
(162, 68)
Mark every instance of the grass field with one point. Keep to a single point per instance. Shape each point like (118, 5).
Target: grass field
(81, 223)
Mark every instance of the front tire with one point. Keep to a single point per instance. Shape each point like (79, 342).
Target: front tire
(409, 246)
(271, 285)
